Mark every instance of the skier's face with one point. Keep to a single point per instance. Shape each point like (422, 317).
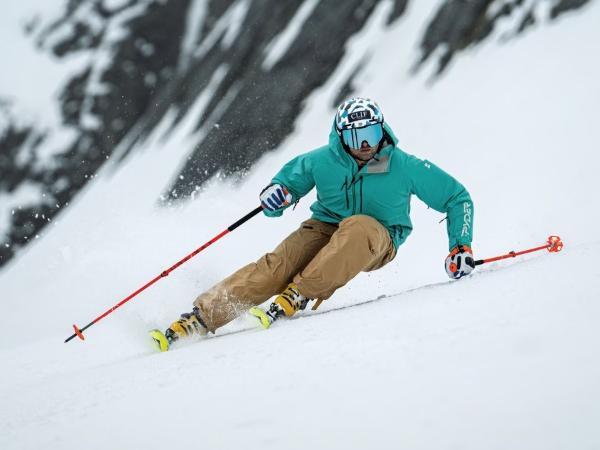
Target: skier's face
(364, 153)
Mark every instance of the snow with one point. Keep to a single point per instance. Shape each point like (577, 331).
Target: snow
(112, 5)
(5, 212)
(226, 28)
(24, 196)
(278, 47)
(115, 32)
(31, 79)
(193, 29)
(504, 359)
(236, 19)
(441, 367)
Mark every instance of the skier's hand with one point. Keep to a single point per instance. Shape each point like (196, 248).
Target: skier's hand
(460, 262)
(275, 197)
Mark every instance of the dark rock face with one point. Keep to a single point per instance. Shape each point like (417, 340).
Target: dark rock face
(160, 55)
(15, 166)
(461, 23)
(265, 103)
(563, 6)
(100, 104)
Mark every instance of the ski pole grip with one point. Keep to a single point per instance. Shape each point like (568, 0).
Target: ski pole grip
(247, 217)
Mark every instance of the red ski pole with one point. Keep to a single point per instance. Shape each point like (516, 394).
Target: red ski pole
(79, 332)
(553, 245)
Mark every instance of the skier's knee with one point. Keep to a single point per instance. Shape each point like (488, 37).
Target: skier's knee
(360, 224)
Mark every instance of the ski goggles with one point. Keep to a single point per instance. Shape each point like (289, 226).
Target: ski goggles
(354, 137)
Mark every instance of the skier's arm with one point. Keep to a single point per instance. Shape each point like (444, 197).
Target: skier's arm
(445, 194)
(297, 177)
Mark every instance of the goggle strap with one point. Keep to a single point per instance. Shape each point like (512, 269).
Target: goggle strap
(354, 138)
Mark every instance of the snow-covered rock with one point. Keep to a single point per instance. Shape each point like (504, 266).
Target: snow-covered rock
(89, 81)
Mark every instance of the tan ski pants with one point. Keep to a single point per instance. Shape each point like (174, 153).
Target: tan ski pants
(319, 257)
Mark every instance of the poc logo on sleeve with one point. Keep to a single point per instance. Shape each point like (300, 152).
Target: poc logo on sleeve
(467, 218)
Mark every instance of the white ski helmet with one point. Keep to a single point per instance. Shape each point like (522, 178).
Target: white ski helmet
(359, 119)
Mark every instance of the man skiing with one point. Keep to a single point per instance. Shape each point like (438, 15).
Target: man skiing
(361, 216)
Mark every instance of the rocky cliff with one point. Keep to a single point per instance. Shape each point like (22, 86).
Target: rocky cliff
(254, 60)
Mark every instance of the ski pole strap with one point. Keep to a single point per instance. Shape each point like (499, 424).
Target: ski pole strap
(317, 304)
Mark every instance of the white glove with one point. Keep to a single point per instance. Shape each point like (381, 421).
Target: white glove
(460, 262)
(274, 197)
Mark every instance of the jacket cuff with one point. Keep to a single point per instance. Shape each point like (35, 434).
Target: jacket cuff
(277, 213)
(454, 244)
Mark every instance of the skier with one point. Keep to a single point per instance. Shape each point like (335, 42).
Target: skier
(364, 184)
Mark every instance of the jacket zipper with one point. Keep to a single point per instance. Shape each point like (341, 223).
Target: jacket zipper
(345, 188)
(353, 198)
(362, 179)
(352, 184)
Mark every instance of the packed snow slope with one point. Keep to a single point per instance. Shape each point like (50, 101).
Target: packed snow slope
(504, 359)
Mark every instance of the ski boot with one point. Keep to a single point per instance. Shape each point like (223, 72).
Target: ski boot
(190, 324)
(286, 304)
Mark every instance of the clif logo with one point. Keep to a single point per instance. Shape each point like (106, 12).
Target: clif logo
(359, 115)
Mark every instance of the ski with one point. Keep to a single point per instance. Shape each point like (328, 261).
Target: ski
(265, 317)
(160, 341)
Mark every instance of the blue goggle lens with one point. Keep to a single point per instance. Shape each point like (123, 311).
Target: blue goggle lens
(354, 137)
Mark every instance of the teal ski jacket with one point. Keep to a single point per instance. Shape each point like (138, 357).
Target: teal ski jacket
(381, 189)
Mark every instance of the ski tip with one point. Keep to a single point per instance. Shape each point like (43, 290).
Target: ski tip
(160, 340)
(262, 316)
